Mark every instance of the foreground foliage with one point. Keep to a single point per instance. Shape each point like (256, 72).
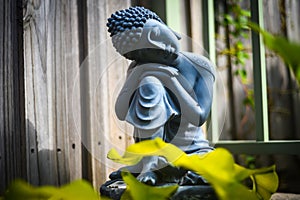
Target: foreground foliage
(287, 50)
(217, 167)
(77, 190)
(138, 190)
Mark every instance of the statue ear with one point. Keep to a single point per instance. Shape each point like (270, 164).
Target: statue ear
(154, 38)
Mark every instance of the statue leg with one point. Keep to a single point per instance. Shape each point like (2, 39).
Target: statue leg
(151, 109)
(150, 164)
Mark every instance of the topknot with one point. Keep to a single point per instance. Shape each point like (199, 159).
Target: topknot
(130, 18)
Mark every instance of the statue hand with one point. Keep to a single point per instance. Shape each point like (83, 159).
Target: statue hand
(161, 71)
(169, 70)
(172, 71)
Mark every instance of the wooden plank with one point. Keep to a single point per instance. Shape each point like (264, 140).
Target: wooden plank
(209, 46)
(82, 29)
(41, 140)
(119, 135)
(67, 99)
(73, 110)
(3, 182)
(197, 28)
(259, 77)
(293, 20)
(52, 66)
(12, 119)
(180, 23)
(281, 109)
(98, 84)
(94, 65)
(293, 34)
(173, 19)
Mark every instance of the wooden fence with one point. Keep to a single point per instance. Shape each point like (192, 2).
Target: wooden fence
(12, 115)
(56, 78)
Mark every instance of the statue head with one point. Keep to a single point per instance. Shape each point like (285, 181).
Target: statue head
(137, 29)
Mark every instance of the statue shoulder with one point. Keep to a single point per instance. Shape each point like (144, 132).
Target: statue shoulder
(200, 62)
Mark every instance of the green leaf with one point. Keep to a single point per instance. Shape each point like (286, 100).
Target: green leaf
(134, 153)
(242, 74)
(127, 159)
(217, 167)
(265, 182)
(246, 13)
(239, 45)
(249, 100)
(20, 190)
(77, 190)
(136, 190)
(288, 51)
(228, 19)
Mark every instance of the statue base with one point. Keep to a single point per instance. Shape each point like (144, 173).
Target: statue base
(115, 188)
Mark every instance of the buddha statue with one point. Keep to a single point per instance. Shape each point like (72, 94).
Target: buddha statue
(167, 92)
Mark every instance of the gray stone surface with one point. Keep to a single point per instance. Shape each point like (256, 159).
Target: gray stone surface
(285, 196)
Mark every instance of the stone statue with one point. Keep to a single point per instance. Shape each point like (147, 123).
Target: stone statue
(167, 93)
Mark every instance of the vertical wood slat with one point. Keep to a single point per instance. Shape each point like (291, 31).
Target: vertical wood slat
(197, 46)
(260, 79)
(61, 103)
(172, 16)
(180, 23)
(42, 167)
(100, 87)
(209, 45)
(51, 65)
(12, 122)
(119, 135)
(280, 102)
(72, 99)
(82, 29)
(197, 28)
(293, 34)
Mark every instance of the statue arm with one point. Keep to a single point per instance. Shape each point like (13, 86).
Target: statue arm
(128, 89)
(197, 72)
(132, 83)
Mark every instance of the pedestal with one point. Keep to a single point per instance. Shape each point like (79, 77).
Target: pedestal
(115, 188)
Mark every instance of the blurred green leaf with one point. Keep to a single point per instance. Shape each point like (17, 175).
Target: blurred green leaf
(21, 190)
(288, 51)
(265, 182)
(239, 45)
(246, 13)
(77, 190)
(242, 73)
(249, 101)
(217, 167)
(228, 19)
(136, 190)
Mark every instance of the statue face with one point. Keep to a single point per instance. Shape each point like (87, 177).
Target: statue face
(153, 35)
(161, 36)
